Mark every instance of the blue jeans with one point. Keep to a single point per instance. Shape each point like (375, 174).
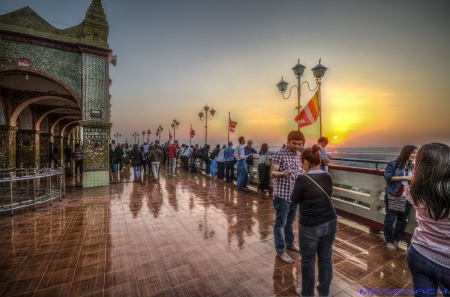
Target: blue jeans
(389, 220)
(286, 213)
(317, 240)
(173, 165)
(213, 167)
(208, 167)
(242, 176)
(137, 172)
(229, 171)
(427, 275)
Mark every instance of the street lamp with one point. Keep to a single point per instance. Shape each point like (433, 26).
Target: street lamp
(204, 117)
(159, 130)
(117, 135)
(318, 72)
(174, 125)
(148, 136)
(135, 135)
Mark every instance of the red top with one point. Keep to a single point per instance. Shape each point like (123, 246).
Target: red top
(172, 150)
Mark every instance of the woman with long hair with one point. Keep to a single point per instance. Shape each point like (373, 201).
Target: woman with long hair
(317, 224)
(263, 169)
(135, 156)
(397, 174)
(428, 256)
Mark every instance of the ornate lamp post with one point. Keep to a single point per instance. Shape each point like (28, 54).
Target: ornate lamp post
(159, 132)
(318, 72)
(117, 135)
(204, 117)
(174, 125)
(135, 135)
(148, 136)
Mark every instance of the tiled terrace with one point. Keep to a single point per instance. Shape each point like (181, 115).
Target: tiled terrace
(183, 236)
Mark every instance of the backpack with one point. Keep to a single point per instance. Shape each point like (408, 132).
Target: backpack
(205, 155)
(118, 153)
(198, 153)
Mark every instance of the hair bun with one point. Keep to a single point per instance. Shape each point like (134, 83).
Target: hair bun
(315, 148)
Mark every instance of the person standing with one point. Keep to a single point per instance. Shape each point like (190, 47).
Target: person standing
(136, 162)
(186, 154)
(263, 169)
(240, 156)
(317, 225)
(221, 163)
(67, 155)
(229, 163)
(118, 154)
(52, 153)
(213, 158)
(322, 143)
(194, 155)
(284, 170)
(397, 174)
(173, 157)
(154, 158)
(428, 255)
(78, 158)
(249, 150)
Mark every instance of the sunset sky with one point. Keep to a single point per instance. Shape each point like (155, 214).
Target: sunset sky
(388, 82)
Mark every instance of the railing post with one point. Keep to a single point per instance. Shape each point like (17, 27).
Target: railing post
(11, 192)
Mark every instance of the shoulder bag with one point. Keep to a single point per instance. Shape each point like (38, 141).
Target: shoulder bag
(268, 161)
(395, 203)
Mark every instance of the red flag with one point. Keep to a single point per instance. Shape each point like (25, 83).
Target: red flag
(170, 136)
(232, 125)
(309, 114)
(192, 133)
(157, 132)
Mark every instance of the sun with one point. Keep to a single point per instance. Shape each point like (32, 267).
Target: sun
(335, 137)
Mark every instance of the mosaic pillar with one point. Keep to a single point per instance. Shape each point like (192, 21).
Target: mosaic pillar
(8, 146)
(44, 147)
(96, 153)
(27, 147)
(57, 140)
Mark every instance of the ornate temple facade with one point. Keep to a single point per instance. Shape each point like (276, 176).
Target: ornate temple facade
(54, 87)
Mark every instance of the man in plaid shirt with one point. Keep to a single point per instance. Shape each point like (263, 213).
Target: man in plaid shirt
(285, 167)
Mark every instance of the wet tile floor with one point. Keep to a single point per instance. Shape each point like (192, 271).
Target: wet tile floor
(188, 235)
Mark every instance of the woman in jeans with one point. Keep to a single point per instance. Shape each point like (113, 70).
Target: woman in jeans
(263, 170)
(135, 156)
(428, 256)
(317, 225)
(397, 174)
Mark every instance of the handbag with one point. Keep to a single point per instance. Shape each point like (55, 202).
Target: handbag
(268, 161)
(395, 203)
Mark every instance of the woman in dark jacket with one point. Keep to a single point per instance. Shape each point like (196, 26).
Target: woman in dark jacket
(263, 169)
(136, 163)
(398, 173)
(67, 154)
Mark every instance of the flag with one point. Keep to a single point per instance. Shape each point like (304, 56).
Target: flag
(170, 136)
(192, 133)
(157, 132)
(232, 125)
(308, 115)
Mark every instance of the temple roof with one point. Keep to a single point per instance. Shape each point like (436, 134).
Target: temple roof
(93, 29)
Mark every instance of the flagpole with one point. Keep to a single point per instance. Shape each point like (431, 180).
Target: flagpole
(229, 120)
(320, 106)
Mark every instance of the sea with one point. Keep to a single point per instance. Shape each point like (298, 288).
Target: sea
(355, 155)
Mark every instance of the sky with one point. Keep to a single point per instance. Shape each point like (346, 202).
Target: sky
(387, 82)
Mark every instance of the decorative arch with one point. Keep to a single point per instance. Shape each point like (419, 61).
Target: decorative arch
(67, 125)
(61, 132)
(71, 130)
(18, 110)
(38, 122)
(16, 68)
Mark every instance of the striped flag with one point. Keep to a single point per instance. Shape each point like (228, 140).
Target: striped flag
(308, 115)
(170, 136)
(192, 133)
(232, 125)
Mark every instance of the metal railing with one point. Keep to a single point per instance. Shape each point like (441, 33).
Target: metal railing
(30, 186)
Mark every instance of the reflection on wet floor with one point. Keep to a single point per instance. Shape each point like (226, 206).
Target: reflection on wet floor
(188, 235)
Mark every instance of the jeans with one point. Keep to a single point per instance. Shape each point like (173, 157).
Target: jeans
(285, 213)
(427, 275)
(389, 220)
(173, 165)
(185, 163)
(242, 176)
(220, 170)
(155, 169)
(79, 166)
(208, 167)
(213, 167)
(263, 173)
(317, 240)
(137, 172)
(229, 171)
(193, 162)
(250, 172)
